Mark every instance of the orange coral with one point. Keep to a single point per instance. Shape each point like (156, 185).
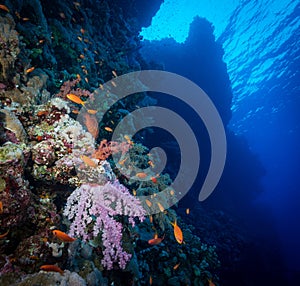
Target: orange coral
(91, 124)
(106, 148)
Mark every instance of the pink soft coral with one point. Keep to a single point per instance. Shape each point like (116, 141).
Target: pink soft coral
(91, 209)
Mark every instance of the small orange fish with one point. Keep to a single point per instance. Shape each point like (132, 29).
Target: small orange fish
(1, 207)
(79, 38)
(177, 233)
(151, 164)
(149, 204)
(161, 208)
(62, 15)
(92, 111)
(151, 219)
(154, 180)
(108, 129)
(82, 56)
(150, 280)
(128, 139)
(141, 175)
(25, 19)
(187, 211)
(30, 70)
(63, 236)
(86, 80)
(114, 73)
(176, 266)
(41, 41)
(134, 192)
(210, 283)
(156, 240)
(75, 98)
(53, 268)
(172, 192)
(42, 113)
(82, 31)
(123, 161)
(4, 8)
(4, 234)
(88, 161)
(113, 84)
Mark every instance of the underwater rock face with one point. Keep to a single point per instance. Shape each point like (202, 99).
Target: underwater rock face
(13, 124)
(53, 279)
(9, 48)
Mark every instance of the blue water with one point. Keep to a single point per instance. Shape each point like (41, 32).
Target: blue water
(261, 41)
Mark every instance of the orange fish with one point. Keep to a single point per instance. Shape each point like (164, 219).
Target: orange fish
(123, 161)
(62, 15)
(79, 38)
(210, 283)
(91, 124)
(63, 236)
(4, 8)
(4, 234)
(149, 204)
(82, 31)
(30, 70)
(82, 56)
(1, 207)
(156, 240)
(75, 111)
(150, 280)
(114, 73)
(113, 84)
(88, 161)
(151, 164)
(51, 267)
(108, 129)
(151, 219)
(187, 211)
(177, 233)
(161, 208)
(154, 180)
(75, 98)
(128, 139)
(42, 113)
(176, 266)
(92, 111)
(141, 175)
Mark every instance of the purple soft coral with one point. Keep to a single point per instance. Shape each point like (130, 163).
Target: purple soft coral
(91, 209)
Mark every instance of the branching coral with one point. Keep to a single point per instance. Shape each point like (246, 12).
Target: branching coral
(92, 208)
(106, 149)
